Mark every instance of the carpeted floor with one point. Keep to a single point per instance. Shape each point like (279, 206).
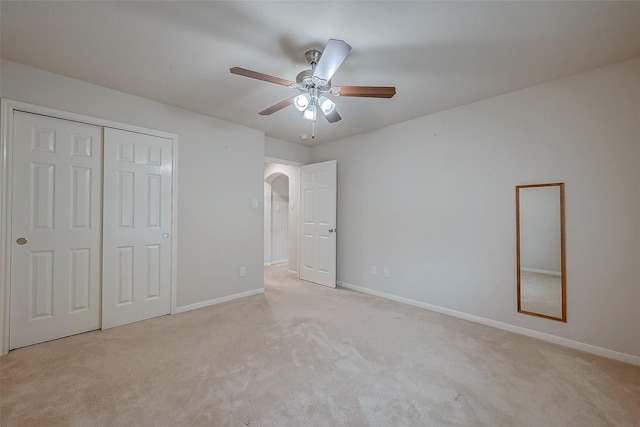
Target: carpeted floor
(541, 293)
(306, 355)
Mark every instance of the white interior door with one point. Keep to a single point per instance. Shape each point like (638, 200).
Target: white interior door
(318, 240)
(137, 227)
(55, 229)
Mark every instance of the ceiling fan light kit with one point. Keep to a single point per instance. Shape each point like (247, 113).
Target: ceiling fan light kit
(310, 112)
(326, 105)
(315, 84)
(302, 101)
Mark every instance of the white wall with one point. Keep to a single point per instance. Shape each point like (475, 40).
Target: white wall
(267, 223)
(540, 232)
(219, 173)
(433, 199)
(278, 149)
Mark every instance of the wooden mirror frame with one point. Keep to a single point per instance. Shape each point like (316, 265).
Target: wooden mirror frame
(562, 252)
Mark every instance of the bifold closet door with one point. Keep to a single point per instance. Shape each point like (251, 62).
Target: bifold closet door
(55, 229)
(137, 227)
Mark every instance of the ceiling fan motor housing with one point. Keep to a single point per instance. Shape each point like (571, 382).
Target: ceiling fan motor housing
(306, 79)
(313, 56)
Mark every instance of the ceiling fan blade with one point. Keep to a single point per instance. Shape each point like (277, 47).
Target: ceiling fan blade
(333, 116)
(366, 91)
(277, 107)
(332, 57)
(259, 76)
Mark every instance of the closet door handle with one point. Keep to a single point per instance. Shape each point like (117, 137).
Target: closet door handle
(21, 241)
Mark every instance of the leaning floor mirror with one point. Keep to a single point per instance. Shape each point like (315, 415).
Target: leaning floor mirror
(540, 242)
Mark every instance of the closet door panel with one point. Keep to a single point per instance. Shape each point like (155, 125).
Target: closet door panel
(55, 229)
(137, 227)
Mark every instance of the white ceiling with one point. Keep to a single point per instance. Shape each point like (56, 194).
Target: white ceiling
(438, 54)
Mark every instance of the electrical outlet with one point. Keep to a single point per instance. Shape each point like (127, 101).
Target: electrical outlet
(243, 271)
(386, 272)
(374, 269)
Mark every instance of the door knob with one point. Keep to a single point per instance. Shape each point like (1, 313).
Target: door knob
(331, 230)
(21, 241)
(165, 235)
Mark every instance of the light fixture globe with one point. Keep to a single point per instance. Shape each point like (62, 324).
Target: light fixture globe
(310, 112)
(302, 101)
(326, 105)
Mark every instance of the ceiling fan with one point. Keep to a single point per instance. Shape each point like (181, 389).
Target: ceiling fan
(315, 84)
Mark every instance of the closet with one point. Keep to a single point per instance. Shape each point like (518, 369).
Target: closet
(90, 227)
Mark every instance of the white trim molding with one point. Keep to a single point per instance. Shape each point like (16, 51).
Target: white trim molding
(533, 270)
(588, 348)
(208, 303)
(268, 159)
(7, 108)
(6, 127)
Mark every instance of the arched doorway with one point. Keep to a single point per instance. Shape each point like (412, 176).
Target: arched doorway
(281, 214)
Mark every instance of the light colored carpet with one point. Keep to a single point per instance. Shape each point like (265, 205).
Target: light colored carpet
(541, 293)
(305, 355)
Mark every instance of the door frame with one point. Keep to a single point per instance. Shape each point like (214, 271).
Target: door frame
(7, 108)
(294, 197)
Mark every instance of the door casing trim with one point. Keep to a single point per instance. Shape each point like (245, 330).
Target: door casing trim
(7, 108)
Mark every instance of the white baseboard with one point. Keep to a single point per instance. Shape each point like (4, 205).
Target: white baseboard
(611, 354)
(280, 261)
(534, 270)
(215, 301)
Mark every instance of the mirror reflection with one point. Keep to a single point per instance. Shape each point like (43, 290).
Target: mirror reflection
(540, 250)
